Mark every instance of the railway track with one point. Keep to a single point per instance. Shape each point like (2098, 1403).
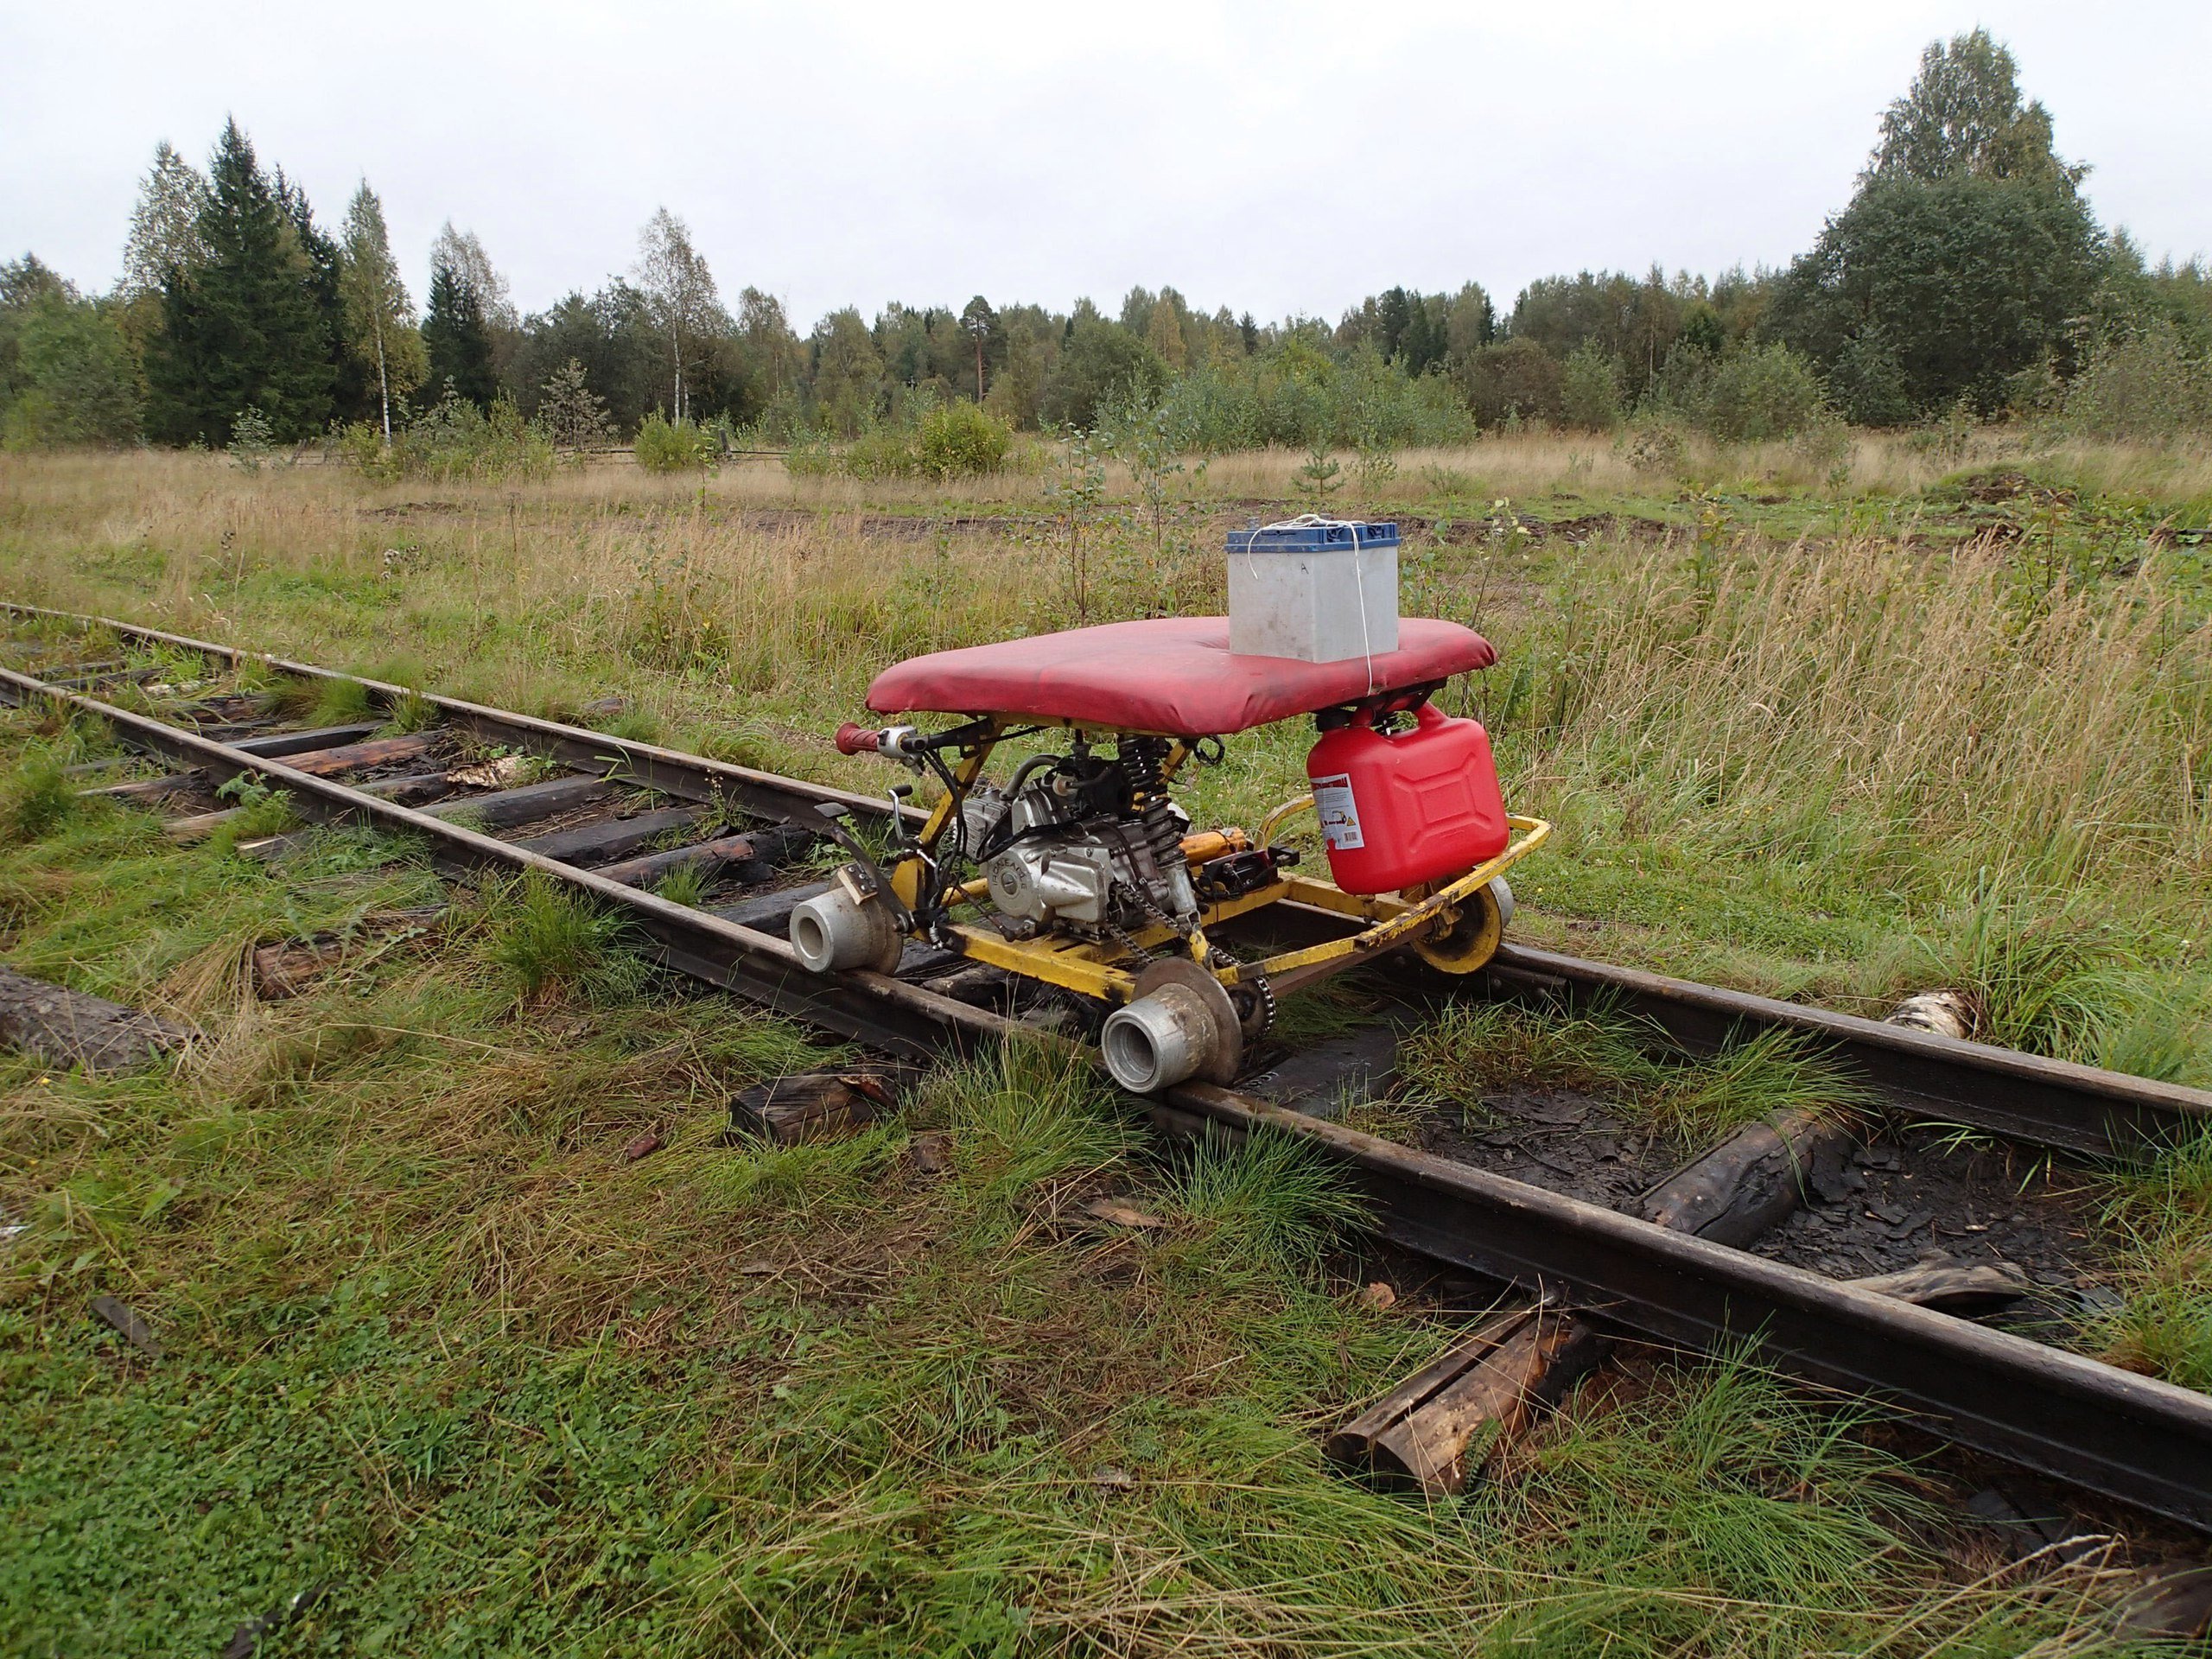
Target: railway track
(609, 815)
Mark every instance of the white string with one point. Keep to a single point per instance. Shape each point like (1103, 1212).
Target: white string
(1315, 521)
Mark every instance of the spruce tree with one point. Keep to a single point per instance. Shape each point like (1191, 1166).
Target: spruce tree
(244, 328)
(457, 338)
(351, 395)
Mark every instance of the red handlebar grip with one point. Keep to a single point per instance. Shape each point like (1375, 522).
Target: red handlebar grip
(856, 739)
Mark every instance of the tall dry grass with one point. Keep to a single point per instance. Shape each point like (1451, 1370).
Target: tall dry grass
(1862, 704)
(1808, 752)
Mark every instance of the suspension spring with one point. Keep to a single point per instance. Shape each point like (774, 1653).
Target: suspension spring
(1141, 760)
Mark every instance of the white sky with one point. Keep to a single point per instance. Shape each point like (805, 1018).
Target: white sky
(1280, 158)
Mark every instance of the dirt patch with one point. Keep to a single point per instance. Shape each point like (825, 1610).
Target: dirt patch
(1906, 1198)
(1916, 1195)
(1558, 1139)
(2006, 485)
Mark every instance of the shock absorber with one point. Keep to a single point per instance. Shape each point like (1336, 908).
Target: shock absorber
(1140, 759)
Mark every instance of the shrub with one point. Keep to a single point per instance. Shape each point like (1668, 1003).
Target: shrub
(666, 445)
(1297, 397)
(1654, 444)
(250, 443)
(1590, 388)
(1512, 380)
(880, 451)
(453, 440)
(1759, 392)
(2148, 383)
(961, 441)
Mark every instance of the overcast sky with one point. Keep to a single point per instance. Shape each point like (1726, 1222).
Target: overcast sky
(1287, 157)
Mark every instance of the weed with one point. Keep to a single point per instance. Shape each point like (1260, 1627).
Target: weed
(1768, 1072)
(262, 810)
(2165, 1325)
(411, 712)
(550, 938)
(1022, 1115)
(1496, 1046)
(2055, 981)
(1266, 1201)
(684, 885)
(41, 794)
(341, 703)
(635, 726)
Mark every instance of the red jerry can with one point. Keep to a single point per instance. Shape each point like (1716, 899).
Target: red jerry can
(1418, 806)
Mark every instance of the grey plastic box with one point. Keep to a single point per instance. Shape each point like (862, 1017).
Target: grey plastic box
(1320, 592)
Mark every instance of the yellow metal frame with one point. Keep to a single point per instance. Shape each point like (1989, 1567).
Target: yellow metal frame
(1087, 969)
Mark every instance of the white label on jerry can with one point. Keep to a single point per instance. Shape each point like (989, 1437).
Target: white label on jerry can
(1338, 812)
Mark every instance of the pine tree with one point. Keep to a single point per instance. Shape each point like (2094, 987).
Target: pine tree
(976, 322)
(457, 337)
(571, 411)
(244, 327)
(379, 317)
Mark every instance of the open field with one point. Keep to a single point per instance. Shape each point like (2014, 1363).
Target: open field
(430, 1340)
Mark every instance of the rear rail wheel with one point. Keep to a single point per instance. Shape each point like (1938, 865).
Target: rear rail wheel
(1470, 939)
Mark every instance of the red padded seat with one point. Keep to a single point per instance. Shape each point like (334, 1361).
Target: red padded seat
(1173, 675)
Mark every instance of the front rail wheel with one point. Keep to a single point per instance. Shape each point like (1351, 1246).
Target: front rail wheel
(1465, 944)
(1180, 1024)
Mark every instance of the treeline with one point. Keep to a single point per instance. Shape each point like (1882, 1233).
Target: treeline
(1967, 275)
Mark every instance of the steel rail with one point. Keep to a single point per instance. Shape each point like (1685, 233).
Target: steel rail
(2082, 1109)
(2029, 1098)
(2046, 1103)
(864, 1007)
(2132, 1438)
(671, 771)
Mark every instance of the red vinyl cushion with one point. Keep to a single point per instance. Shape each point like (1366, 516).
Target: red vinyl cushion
(1173, 675)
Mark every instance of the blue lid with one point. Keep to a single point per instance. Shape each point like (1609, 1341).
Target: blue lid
(1321, 538)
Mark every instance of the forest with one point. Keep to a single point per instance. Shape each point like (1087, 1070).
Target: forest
(1966, 279)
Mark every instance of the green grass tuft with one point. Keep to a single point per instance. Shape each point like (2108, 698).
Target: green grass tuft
(341, 702)
(1474, 1047)
(1267, 1202)
(547, 938)
(636, 725)
(2057, 980)
(1021, 1115)
(684, 885)
(41, 794)
(2165, 1215)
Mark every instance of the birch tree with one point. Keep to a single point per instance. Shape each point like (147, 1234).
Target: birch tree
(165, 224)
(379, 317)
(462, 253)
(681, 291)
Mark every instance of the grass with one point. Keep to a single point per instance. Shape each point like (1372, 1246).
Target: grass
(548, 940)
(431, 1344)
(2165, 1327)
(1471, 1048)
(430, 1339)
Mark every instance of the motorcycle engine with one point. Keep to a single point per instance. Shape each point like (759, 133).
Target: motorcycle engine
(1082, 844)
